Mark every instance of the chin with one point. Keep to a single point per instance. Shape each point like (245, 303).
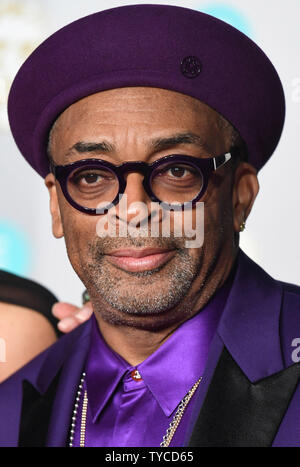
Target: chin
(151, 322)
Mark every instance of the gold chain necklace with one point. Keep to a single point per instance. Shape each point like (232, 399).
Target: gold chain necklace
(178, 416)
(167, 438)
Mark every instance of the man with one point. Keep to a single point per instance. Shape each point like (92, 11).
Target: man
(157, 110)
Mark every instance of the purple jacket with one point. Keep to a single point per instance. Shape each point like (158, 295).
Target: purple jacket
(249, 394)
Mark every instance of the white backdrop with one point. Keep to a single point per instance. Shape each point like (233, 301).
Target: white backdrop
(273, 229)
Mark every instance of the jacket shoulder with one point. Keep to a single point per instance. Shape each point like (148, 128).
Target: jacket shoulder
(39, 372)
(290, 288)
(289, 326)
(290, 308)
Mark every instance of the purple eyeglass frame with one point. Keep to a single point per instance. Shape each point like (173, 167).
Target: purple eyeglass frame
(206, 167)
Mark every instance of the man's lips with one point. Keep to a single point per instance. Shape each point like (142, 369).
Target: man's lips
(135, 260)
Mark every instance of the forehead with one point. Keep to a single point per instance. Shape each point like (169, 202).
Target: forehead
(130, 119)
(144, 103)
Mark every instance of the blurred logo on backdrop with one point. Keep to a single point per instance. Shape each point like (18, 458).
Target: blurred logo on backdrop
(15, 251)
(22, 29)
(230, 14)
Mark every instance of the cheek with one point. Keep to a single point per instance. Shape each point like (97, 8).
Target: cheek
(218, 207)
(79, 231)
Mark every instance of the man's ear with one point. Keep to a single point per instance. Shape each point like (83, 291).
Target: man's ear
(245, 190)
(57, 227)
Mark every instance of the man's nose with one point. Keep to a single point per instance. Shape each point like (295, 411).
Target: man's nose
(135, 201)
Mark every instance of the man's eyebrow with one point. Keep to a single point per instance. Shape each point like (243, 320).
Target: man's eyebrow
(86, 147)
(159, 144)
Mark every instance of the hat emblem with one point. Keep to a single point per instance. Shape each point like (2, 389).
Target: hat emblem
(191, 66)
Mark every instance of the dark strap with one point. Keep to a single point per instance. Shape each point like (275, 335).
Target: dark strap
(23, 292)
(238, 413)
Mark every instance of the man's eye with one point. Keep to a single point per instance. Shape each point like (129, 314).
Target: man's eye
(90, 178)
(178, 172)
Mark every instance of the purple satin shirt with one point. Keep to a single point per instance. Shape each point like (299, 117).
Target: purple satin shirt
(126, 412)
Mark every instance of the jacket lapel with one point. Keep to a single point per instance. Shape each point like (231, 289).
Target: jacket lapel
(67, 388)
(249, 391)
(35, 414)
(239, 413)
(54, 388)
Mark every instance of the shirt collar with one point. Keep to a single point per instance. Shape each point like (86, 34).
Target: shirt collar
(170, 372)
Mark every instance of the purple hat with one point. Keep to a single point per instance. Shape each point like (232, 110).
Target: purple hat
(148, 45)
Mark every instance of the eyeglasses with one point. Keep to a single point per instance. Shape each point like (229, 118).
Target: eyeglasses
(173, 180)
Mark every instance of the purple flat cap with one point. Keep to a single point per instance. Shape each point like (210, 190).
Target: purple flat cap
(148, 45)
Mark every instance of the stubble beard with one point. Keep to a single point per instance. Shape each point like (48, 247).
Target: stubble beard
(127, 298)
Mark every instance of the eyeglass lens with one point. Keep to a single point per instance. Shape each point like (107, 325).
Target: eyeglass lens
(170, 182)
(176, 182)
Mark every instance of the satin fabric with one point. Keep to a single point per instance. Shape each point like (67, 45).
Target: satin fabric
(126, 412)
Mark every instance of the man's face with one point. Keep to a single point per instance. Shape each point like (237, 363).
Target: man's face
(170, 282)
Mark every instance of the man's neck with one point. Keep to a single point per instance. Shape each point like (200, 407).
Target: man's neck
(134, 345)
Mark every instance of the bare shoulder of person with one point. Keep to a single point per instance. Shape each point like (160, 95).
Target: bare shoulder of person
(24, 333)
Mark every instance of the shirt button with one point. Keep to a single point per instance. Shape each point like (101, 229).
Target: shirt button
(135, 375)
